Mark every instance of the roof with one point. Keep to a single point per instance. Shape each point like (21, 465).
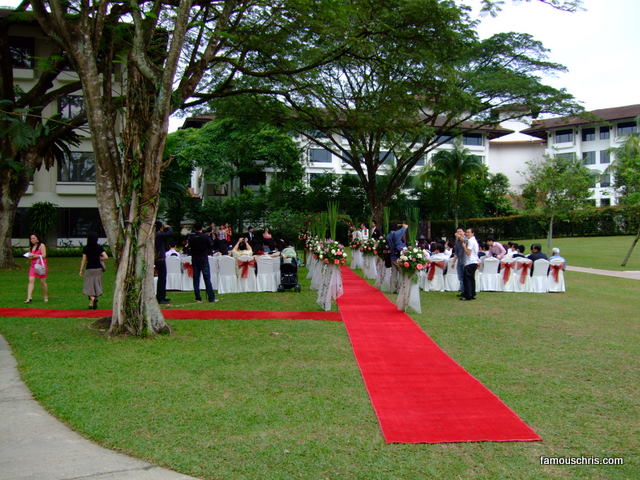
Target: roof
(540, 127)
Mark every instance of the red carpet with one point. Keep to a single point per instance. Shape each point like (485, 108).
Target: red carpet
(419, 393)
(177, 314)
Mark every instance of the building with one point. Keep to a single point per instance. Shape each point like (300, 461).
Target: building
(70, 184)
(590, 137)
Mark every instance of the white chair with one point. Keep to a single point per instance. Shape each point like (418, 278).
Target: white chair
(227, 277)
(478, 276)
(174, 273)
(246, 282)
(187, 275)
(213, 271)
(490, 279)
(508, 274)
(523, 274)
(265, 279)
(539, 279)
(556, 276)
(435, 275)
(451, 280)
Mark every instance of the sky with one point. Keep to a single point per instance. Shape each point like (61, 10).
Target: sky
(600, 46)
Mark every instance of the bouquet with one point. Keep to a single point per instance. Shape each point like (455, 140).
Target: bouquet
(382, 248)
(355, 243)
(368, 247)
(310, 242)
(412, 260)
(330, 252)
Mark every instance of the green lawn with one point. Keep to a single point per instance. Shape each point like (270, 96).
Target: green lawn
(279, 399)
(605, 253)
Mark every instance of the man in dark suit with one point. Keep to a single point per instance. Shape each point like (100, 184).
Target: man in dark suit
(375, 231)
(251, 237)
(536, 254)
(201, 246)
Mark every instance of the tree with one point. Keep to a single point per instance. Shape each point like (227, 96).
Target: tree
(626, 171)
(169, 55)
(28, 140)
(454, 167)
(557, 185)
(421, 75)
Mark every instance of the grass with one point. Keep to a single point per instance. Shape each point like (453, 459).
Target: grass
(278, 399)
(604, 253)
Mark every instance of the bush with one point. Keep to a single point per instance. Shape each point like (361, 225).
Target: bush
(59, 252)
(588, 222)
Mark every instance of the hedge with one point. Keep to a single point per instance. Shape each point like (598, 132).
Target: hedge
(589, 222)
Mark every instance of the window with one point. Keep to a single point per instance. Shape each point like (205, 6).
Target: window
(253, 179)
(387, 158)
(79, 167)
(605, 180)
(445, 139)
(479, 157)
(564, 136)
(627, 128)
(422, 161)
(313, 176)
(605, 202)
(78, 222)
(605, 156)
(588, 134)
(70, 105)
(566, 156)
(319, 155)
(216, 190)
(589, 158)
(472, 139)
(604, 133)
(22, 51)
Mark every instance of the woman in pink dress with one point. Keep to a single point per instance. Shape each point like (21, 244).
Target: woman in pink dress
(37, 251)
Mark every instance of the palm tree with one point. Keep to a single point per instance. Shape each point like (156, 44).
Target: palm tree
(454, 166)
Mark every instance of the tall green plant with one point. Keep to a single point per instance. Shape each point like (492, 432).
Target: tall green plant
(43, 216)
(386, 214)
(414, 218)
(332, 218)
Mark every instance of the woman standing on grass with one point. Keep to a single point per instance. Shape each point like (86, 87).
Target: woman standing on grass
(93, 256)
(38, 255)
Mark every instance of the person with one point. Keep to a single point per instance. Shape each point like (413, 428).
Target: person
(375, 231)
(163, 232)
(518, 251)
(555, 255)
(201, 246)
(250, 236)
(458, 252)
(242, 249)
(172, 252)
(438, 254)
(364, 232)
(496, 249)
(397, 240)
(536, 253)
(470, 265)
(289, 253)
(91, 269)
(37, 254)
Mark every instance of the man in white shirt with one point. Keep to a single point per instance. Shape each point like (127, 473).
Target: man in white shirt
(472, 260)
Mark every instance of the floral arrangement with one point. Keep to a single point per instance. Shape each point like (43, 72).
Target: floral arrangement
(382, 248)
(368, 247)
(355, 243)
(413, 259)
(310, 242)
(330, 252)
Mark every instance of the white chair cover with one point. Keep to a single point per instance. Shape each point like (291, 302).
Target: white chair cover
(248, 283)
(174, 273)
(318, 274)
(422, 280)
(539, 279)
(265, 279)
(213, 271)
(330, 288)
(436, 284)
(523, 274)
(187, 280)
(508, 274)
(408, 293)
(478, 276)
(556, 276)
(311, 265)
(451, 280)
(227, 277)
(490, 278)
(369, 266)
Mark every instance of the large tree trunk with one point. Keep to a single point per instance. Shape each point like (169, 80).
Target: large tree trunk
(12, 188)
(550, 234)
(633, 245)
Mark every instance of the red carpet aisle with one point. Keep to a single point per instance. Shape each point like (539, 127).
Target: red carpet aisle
(177, 314)
(420, 394)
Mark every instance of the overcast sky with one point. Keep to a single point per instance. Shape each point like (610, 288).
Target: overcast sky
(600, 46)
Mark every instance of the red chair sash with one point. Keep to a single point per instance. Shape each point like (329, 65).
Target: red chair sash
(555, 270)
(187, 267)
(432, 269)
(524, 271)
(244, 266)
(506, 271)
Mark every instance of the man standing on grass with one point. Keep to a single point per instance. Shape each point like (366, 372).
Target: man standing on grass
(201, 246)
(470, 265)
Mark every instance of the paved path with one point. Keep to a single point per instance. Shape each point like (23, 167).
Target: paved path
(629, 274)
(36, 446)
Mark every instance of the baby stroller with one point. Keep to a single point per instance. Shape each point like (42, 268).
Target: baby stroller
(288, 275)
